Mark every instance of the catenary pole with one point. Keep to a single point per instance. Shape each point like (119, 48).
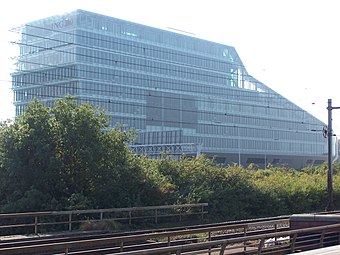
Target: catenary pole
(330, 205)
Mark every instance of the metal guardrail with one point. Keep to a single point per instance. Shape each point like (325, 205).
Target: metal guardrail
(71, 218)
(279, 241)
(123, 243)
(310, 238)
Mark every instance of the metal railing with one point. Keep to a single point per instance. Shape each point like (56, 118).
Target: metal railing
(31, 222)
(202, 236)
(243, 238)
(293, 241)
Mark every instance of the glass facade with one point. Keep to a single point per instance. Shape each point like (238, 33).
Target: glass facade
(170, 87)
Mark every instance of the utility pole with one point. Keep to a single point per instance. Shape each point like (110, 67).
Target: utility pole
(330, 205)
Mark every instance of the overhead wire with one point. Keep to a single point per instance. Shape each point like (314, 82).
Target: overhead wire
(223, 72)
(142, 96)
(228, 130)
(145, 47)
(93, 90)
(265, 98)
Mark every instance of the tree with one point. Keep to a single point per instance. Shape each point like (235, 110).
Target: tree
(26, 155)
(62, 157)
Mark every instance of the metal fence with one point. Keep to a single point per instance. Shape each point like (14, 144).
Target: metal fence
(210, 238)
(37, 222)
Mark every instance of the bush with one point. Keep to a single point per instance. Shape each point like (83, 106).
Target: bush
(109, 225)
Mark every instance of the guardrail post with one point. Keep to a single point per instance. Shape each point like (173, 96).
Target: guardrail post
(169, 244)
(101, 216)
(35, 224)
(209, 239)
(70, 222)
(245, 242)
(130, 218)
(322, 238)
(156, 214)
(259, 250)
(292, 244)
(202, 211)
(121, 247)
(223, 246)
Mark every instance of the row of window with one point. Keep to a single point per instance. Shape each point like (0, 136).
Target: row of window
(226, 107)
(95, 41)
(46, 59)
(269, 121)
(127, 122)
(133, 31)
(43, 76)
(48, 91)
(258, 132)
(142, 64)
(156, 81)
(164, 137)
(115, 91)
(255, 146)
(36, 41)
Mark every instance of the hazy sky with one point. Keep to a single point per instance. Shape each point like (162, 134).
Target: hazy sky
(292, 46)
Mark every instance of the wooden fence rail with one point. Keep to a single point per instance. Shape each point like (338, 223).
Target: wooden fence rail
(33, 221)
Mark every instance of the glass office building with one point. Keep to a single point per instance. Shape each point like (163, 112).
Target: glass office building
(182, 94)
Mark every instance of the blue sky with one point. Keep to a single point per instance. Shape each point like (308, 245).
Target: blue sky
(292, 46)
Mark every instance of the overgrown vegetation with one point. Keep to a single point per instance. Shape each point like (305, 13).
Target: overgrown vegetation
(65, 157)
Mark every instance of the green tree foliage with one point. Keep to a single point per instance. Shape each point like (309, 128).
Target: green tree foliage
(66, 157)
(193, 180)
(62, 158)
(291, 191)
(26, 159)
